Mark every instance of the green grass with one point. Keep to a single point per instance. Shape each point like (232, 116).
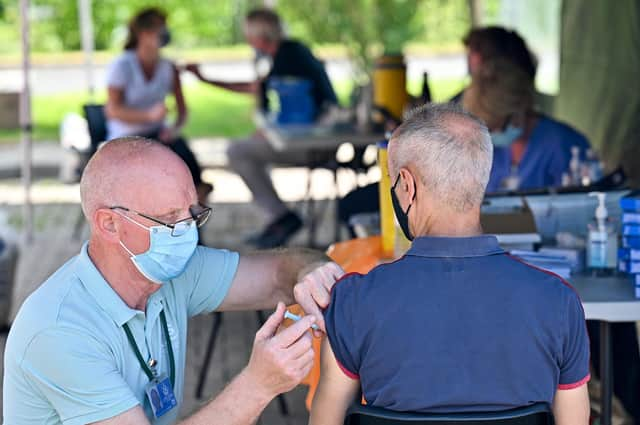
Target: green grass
(212, 111)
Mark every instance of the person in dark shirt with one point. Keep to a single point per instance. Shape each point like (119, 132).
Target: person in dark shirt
(251, 157)
(456, 324)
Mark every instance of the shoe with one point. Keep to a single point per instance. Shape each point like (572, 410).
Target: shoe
(279, 232)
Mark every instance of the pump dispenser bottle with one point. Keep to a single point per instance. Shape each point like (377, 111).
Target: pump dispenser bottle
(602, 246)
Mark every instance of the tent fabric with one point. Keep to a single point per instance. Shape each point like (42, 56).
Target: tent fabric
(600, 78)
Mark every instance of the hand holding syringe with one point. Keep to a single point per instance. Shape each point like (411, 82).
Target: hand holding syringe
(295, 318)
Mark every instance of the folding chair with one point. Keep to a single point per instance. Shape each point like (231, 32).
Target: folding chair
(97, 122)
(536, 414)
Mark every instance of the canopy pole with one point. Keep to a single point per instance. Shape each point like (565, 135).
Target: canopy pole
(26, 126)
(475, 10)
(88, 44)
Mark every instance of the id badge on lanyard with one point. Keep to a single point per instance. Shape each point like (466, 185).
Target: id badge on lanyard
(159, 390)
(160, 395)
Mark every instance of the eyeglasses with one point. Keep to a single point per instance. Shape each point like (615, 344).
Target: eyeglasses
(199, 215)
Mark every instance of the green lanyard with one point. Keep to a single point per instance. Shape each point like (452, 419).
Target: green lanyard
(145, 367)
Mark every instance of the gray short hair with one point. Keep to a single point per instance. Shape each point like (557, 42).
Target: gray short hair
(264, 24)
(451, 151)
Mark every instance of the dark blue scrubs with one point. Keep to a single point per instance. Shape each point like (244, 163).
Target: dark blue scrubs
(545, 159)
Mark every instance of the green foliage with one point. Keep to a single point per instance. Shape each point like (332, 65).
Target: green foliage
(366, 26)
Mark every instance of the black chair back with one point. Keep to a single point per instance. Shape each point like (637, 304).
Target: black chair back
(97, 122)
(536, 414)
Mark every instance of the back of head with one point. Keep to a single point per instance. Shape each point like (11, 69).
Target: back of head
(151, 18)
(128, 170)
(451, 152)
(499, 91)
(500, 43)
(263, 24)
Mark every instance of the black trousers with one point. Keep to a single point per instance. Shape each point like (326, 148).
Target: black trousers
(626, 363)
(181, 148)
(361, 200)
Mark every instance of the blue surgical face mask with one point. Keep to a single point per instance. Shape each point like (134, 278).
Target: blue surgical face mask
(507, 137)
(167, 256)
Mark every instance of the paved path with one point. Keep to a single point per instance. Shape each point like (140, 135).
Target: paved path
(47, 79)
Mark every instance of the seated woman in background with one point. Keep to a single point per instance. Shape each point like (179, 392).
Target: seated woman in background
(138, 82)
(531, 150)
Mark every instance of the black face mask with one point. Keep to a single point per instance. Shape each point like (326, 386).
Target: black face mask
(402, 216)
(164, 36)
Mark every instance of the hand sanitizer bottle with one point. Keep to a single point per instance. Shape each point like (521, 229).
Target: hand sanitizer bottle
(602, 246)
(574, 166)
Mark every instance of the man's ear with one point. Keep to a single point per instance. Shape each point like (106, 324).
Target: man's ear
(407, 184)
(106, 224)
(474, 61)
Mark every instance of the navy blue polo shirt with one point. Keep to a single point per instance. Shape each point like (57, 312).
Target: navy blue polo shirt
(458, 325)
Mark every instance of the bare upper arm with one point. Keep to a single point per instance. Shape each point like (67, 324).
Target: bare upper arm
(253, 283)
(115, 98)
(133, 416)
(571, 406)
(336, 391)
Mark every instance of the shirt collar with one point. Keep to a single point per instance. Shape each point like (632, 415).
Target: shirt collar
(476, 246)
(100, 290)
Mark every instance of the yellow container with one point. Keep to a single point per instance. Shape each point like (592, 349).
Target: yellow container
(387, 218)
(390, 84)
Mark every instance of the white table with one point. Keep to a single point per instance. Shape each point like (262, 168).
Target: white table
(608, 300)
(312, 138)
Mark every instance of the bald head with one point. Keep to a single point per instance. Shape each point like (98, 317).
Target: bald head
(136, 173)
(450, 151)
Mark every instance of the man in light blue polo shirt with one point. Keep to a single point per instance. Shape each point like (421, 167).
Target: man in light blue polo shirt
(103, 340)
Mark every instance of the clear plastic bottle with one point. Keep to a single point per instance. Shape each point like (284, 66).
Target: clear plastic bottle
(574, 166)
(602, 244)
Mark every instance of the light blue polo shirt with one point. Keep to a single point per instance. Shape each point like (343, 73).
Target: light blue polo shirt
(67, 358)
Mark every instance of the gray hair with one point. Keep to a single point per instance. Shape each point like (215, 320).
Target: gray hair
(450, 149)
(263, 24)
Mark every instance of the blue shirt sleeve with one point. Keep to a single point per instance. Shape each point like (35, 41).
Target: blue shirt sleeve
(339, 321)
(574, 365)
(79, 377)
(207, 279)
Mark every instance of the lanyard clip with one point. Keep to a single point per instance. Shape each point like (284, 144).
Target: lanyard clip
(152, 365)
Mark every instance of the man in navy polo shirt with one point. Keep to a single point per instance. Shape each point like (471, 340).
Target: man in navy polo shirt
(456, 324)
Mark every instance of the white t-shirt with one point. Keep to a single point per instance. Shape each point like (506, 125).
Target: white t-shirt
(125, 73)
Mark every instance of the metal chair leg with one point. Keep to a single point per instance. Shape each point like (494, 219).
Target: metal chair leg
(217, 321)
(311, 213)
(282, 402)
(336, 228)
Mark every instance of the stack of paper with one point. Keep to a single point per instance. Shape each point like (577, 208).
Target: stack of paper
(629, 254)
(554, 263)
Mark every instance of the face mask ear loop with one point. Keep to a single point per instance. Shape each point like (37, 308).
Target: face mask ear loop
(127, 249)
(134, 222)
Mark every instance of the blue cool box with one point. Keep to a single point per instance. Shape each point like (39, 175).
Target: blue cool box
(297, 105)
